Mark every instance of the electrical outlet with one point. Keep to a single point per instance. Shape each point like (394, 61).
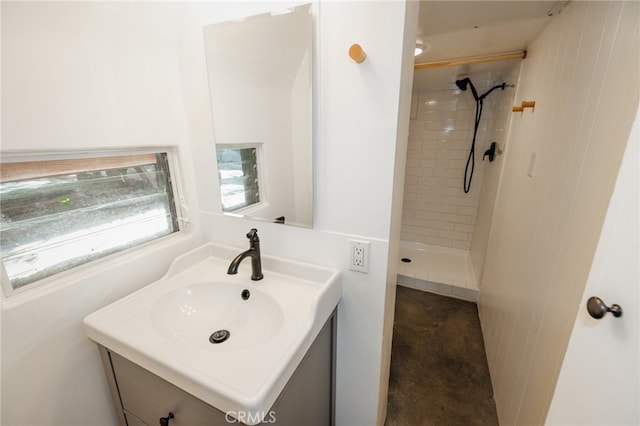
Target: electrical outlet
(359, 256)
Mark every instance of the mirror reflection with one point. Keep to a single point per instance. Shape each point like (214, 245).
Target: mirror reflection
(260, 82)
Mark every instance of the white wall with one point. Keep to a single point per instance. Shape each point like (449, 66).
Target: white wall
(301, 128)
(582, 72)
(406, 84)
(72, 81)
(491, 174)
(81, 76)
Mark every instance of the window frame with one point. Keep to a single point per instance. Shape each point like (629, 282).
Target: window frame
(176, 208)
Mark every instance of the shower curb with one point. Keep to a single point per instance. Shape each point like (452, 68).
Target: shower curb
(443, 289)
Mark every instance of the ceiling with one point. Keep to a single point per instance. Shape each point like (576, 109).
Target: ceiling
(454, 29)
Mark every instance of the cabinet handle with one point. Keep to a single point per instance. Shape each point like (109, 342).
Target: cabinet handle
(164, 421)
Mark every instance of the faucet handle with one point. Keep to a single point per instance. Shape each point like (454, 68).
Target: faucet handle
(253, 235)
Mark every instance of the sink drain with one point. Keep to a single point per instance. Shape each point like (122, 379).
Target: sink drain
(219, 336)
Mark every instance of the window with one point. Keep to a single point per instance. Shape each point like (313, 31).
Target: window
(58, 214)
(239, 183)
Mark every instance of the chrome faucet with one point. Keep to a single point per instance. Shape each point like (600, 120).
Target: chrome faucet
(254, 253)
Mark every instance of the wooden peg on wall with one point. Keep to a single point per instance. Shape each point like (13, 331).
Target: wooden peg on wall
(357, 54)
(525, 104)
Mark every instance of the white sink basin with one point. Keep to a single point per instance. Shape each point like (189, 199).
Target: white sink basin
(191, 314)
(165, 327)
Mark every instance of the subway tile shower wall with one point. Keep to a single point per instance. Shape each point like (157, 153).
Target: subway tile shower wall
(436, 209)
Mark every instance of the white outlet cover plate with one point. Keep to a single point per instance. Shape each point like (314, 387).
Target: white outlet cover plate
(359, 256)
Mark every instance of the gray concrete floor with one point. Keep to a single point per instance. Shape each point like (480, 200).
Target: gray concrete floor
(439, 373)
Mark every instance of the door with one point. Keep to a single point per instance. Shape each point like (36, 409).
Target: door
(599, 381)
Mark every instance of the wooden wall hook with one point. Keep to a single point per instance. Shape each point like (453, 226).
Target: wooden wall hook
(525, 104)
(357, 54)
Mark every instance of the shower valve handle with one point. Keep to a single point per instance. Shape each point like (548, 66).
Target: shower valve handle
(491, 152)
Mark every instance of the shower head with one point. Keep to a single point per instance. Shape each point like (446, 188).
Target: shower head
(462, 85)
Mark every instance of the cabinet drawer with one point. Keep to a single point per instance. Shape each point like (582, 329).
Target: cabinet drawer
(148, 397)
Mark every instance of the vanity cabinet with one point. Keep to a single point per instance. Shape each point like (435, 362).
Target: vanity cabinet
(143, 398)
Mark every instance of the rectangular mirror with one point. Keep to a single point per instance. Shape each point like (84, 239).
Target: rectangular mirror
(260, 83)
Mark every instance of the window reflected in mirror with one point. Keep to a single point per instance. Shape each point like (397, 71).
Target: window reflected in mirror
(239, 177)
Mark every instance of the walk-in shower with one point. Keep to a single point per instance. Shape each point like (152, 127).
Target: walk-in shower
(445, 225)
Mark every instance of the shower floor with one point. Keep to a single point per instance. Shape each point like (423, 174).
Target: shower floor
(440, 270)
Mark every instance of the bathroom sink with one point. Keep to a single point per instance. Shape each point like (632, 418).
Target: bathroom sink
(232, 342)
(244, 316)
